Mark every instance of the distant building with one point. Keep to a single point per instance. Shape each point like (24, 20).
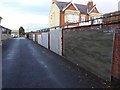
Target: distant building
(15, 33)
(62, 13)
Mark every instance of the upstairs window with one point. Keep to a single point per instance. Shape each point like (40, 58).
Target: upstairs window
(76, 18)
(72, 18)
(82, 19)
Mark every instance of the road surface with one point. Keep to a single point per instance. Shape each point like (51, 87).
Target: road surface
(28, 65)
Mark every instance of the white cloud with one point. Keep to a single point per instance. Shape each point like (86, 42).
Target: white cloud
(16, 20)
(14, 17)
(33, 2)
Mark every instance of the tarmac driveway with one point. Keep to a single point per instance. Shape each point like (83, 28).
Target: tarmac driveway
(29, 65)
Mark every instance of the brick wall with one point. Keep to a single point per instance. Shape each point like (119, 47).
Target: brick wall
(62, 18)
(116, 56)
(111, 19)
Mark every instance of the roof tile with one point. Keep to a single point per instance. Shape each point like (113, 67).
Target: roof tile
(84, 9)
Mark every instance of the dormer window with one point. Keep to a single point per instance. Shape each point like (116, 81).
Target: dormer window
(72, 18)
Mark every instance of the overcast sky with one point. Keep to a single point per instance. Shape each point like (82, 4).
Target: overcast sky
(33, 14)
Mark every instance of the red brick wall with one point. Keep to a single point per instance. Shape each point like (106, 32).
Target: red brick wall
(62, 18)
(111, 19)
(109, 26)
(85, 15)
(116, 56)
(119, 56)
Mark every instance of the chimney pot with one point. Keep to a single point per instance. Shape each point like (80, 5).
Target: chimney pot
(90, 3)
(53, 1)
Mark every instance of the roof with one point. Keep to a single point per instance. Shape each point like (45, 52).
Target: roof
(61, 5)
(4, 28)
(84, 9)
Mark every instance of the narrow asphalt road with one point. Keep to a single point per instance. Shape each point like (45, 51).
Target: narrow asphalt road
(29, 65)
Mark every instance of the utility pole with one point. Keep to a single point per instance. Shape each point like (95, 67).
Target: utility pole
(119, 6)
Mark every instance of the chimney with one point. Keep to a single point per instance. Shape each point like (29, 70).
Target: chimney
(90, 3)
(53, 1)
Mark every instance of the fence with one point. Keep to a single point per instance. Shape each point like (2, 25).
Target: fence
(91, 50)
(91, 47)
(56, 40)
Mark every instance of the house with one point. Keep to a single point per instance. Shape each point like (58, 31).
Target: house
(15, 33)
(62, 13)
(5, 33)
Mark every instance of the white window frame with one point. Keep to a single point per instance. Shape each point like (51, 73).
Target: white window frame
(83, 19)
(72, 18)
(76, 18)
(69, 17)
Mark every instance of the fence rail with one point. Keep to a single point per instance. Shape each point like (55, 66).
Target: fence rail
(105, 20)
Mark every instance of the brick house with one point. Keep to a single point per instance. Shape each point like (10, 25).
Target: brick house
(62, 13)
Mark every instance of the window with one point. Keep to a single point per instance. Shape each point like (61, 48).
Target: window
(71, 18)
(82, 19)
(76, 18)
